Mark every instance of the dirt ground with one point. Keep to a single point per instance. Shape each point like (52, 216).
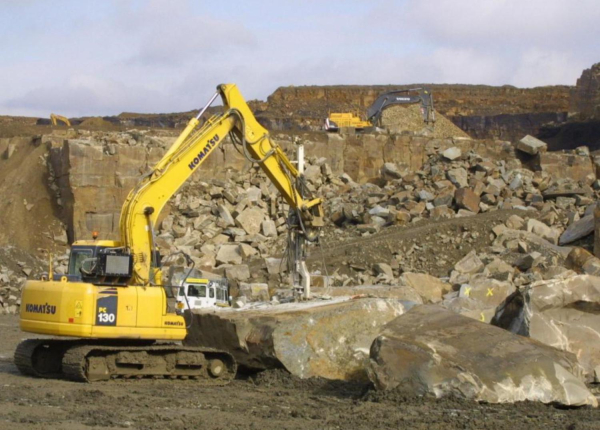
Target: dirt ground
(269, 400)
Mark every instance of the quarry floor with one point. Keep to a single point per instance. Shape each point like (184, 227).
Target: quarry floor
(269, 400)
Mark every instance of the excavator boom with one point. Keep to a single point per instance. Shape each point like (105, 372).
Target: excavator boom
(391, 98)
(195, 144)
(55, 118)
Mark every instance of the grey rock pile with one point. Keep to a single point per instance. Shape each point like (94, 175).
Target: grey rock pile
(453, 185)
(15, 267)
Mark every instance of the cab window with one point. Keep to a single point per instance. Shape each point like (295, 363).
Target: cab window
(76, 260)
(197, 291)
(211, 292)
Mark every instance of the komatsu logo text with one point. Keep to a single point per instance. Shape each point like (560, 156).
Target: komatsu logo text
(204, 152)
(40, 309)
(177, 323)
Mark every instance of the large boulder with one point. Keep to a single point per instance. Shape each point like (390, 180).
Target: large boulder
(326, 339)
(401, 292)
(562, 313)
(467, 199)
(229, 254)
(489, 292)
(250, 220)
(531, 145)
(579, 229)
(459, 177)
(430, 288)
(542, 230)
(431, 350)
(469, 264)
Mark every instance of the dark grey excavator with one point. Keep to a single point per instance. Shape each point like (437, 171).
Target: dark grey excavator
(373, 117)
(409, 96)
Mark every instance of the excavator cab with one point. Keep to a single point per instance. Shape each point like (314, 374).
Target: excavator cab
(99, 262)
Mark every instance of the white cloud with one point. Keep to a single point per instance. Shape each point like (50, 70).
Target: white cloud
(161, 56)
(88, 95)
(171, 34)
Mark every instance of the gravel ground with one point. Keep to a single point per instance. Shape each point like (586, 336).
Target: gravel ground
(269, 400)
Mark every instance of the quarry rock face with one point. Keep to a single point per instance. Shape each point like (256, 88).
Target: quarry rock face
(431, 350)
(512, 126)
(479, 108)
(577, 167)
(562, 313)
(93, 174)
(585, 97)
(325, 339)
(94, 184)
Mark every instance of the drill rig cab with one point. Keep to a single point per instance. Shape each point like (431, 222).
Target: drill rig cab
(113, 297)
(197, 293)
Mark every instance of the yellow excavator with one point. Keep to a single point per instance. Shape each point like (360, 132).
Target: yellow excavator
(113, 298)
(55, 118)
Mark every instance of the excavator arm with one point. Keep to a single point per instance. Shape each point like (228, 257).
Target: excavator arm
(145, 202)
(55, 118)
(403, 97)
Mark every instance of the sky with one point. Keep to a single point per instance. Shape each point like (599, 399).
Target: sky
(104, 57)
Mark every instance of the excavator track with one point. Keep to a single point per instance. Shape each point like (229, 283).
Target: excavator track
(41, 358)
(84, 361)
(90, 363)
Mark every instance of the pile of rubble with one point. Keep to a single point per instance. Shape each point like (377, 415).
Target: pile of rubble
(227, 225)
(409, 119)
(453, 184)
(15, 267)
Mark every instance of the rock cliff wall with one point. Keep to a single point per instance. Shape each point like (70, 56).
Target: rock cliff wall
(485, 112)
(450, 100)
(585, 97)
(94, 176)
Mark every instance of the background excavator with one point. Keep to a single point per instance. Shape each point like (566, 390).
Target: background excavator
(54, 119)
(114, 299)
(335, 121)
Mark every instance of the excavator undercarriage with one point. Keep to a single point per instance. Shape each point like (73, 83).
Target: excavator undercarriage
(91, 361)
